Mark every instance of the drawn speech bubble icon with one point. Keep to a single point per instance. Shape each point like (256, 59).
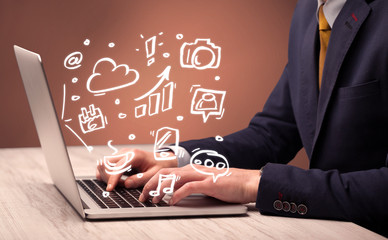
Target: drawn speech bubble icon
(207, 102)
(204, 157)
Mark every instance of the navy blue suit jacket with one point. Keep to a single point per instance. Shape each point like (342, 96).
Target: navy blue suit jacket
(343, 126)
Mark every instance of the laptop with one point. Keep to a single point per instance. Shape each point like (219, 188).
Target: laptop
(86, 194)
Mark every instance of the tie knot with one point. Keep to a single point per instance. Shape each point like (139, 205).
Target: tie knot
(323, 24)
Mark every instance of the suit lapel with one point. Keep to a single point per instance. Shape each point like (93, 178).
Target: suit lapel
(344, 30)
(309, 81)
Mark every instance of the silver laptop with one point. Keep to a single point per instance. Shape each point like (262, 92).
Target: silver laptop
(86, 195)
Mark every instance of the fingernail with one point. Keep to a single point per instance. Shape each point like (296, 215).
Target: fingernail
(155, 200)
(109, 187)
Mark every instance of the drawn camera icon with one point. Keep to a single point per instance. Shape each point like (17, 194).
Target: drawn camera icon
(202, 54)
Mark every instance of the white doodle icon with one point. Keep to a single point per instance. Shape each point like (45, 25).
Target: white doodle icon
(91, 120)
(202, 54)
(208, 102)
(111, 80)
(157, 101)
(166, 190)
(164, 135)
(150, 50)
(110, 163)
(105, 194)
(203, 157)
(73, 60)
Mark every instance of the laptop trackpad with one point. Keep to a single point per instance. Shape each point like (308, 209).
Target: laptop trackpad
(197, 200)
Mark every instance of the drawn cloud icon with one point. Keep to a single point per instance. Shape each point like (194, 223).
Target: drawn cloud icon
(110, 80)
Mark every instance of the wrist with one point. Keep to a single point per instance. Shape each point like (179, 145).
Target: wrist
(171, 163)
(253, 185)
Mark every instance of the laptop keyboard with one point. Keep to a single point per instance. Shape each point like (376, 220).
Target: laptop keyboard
(119, 198)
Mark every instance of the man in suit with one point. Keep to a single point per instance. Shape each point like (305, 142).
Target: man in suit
(332, 99)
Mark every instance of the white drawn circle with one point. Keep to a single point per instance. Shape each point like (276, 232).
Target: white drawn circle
(166, 55)
(73, 60)
(131, 137)
(74, 80)
(117, 101)
(75, 98)
(86, 42)
(179, 36)
(209, 97)
(220, 165)
(111, 44)
(217, 78)
(139, 175)
(208, 163)
(179, 118)
(194, 58)
(219, 138)
(122, 115)
(197, 161)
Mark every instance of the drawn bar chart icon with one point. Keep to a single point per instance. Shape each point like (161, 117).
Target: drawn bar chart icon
(159, 101)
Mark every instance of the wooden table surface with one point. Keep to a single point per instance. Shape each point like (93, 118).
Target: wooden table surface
(32, 208)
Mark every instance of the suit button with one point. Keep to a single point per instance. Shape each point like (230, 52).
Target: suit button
(302, 209)
(293, 208)
(286, 206)
(278, 205)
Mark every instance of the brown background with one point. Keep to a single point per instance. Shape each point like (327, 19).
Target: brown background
(252, 34)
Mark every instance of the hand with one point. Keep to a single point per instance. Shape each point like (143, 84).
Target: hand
(239, 187)
(143, 162)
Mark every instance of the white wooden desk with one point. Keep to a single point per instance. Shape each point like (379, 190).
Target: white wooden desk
(32, 208)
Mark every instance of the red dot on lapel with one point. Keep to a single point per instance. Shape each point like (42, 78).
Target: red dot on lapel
(354, 17)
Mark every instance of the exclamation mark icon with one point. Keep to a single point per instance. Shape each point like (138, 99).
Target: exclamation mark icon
(150, 50)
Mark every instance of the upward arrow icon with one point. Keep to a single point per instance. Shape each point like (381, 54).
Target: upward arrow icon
(165, 75)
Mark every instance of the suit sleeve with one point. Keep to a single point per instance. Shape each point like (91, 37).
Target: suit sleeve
(271, 136)
(360, 196)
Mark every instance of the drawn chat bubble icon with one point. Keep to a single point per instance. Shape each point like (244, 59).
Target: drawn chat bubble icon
(111, 166)
(210, 159)
(208, 102)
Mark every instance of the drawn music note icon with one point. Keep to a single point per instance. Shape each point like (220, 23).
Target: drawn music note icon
(166, 190)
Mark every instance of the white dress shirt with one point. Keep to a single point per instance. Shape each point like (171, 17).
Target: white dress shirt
(331, 9)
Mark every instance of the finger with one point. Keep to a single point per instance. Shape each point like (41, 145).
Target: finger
(190, 188)
(153, 183)
(138, 180)
(181, 177)
(167, 186)
(114, 178)
(101, 170)
(98, 175)
(150, 185)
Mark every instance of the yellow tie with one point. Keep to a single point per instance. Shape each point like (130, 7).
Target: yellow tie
(324, 35)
